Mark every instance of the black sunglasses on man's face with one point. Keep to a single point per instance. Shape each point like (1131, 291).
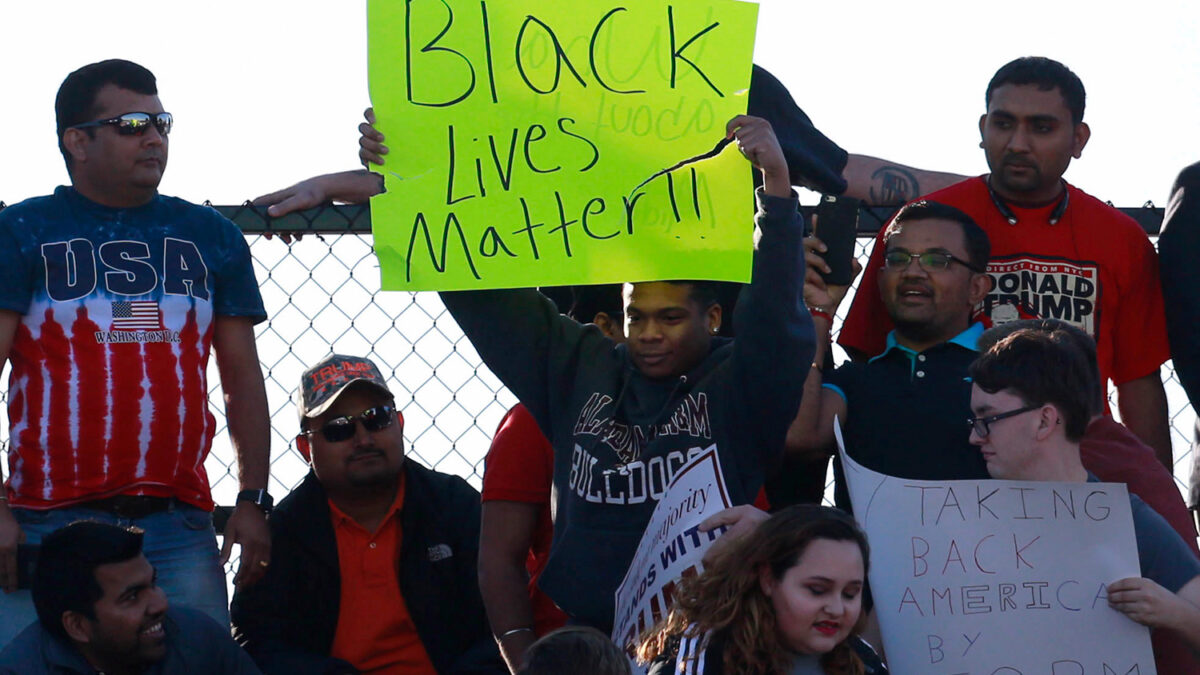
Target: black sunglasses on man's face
(134, 123)
(373, 419)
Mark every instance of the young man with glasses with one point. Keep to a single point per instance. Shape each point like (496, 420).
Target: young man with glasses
(1032, 398)
(111, 298)
(1057, 252)
(375, 556)
(1108, 449)
(902, 412)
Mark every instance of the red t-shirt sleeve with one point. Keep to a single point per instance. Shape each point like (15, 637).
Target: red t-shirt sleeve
(520, 463)
(867, 324)
(1140, 330)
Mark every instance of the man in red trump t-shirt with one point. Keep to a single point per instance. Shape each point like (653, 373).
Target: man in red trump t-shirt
(1057, 252)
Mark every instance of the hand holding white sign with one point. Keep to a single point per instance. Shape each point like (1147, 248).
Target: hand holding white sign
(964, 572)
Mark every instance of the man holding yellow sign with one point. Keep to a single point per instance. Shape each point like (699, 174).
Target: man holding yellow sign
(623, 418)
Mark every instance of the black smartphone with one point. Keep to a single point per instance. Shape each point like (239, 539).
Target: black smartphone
(27, 555)
(837, 225)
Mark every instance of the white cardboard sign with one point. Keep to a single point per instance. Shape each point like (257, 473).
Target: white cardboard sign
(671, 547)
(992, 577)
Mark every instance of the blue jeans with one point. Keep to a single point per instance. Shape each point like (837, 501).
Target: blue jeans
(179, 542)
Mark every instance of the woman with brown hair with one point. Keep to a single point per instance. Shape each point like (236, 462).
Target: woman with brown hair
(784, 600)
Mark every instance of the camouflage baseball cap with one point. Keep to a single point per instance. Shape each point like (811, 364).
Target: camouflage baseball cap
(323, 383)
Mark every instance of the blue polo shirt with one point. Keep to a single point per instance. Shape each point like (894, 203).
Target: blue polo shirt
(906, 412)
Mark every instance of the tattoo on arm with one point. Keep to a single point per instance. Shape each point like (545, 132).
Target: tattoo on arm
(893, 185)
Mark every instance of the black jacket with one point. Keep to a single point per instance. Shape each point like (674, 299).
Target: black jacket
(287, 620)
(1178, 246)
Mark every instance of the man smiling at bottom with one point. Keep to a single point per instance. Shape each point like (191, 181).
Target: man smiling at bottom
(100, 610)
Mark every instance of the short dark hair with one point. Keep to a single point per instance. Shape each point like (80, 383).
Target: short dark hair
(1043, 364)
(561, 296)
(588, 301)
(704, 293)
(76, 100)
(575, 649)
(65, 578)
(1046, 74)
(1083, 342)
(979, 247)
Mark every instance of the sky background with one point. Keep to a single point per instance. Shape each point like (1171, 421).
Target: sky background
(267, 92)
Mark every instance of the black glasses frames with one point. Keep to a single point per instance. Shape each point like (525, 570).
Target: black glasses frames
(982, 425)
(931, 261)
(134, 123)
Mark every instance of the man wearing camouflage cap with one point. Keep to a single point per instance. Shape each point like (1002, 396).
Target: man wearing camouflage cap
(375, 560)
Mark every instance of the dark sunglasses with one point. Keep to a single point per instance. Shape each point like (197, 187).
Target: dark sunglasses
(931, 261)
(981, 425)
(134, 123)
(341, 429)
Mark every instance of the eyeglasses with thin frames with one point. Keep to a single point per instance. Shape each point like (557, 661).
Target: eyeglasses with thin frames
(134, 123)
(981, 425)
(374, 419)
(930, 261)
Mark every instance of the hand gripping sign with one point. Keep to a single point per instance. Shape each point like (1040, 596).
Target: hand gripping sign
(549, 143)
(998, 577)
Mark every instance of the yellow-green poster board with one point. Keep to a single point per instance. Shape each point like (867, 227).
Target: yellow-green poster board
(530, 141)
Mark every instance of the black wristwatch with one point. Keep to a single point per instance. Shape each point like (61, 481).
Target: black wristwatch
(259, 498)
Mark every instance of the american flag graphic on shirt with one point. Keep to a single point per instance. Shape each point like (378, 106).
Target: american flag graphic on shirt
(136, 315)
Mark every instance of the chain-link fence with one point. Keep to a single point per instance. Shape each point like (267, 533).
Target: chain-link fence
(322, 294)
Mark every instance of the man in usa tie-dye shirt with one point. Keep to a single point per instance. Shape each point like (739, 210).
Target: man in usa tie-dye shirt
(111, 296)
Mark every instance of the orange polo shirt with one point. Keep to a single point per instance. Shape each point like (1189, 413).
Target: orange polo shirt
(374, 630)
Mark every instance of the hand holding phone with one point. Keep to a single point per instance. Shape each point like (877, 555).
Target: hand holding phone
(837, 226)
